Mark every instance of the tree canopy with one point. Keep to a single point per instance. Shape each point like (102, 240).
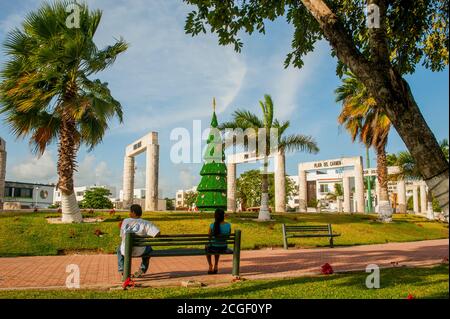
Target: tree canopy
(248, 188)
(417, 30)
(97, 198)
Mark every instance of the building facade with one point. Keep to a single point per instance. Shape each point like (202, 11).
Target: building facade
(139, 198)
(20, 195)
(180, 197)
(81, 190)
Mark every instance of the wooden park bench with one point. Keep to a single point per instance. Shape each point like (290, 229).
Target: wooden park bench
(296, 231)
(182, 247)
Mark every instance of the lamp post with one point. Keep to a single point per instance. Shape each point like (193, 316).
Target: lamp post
(37, 193)
(369, 184)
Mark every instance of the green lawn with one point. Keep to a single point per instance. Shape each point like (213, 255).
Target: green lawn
(30, 234)
(396, 283)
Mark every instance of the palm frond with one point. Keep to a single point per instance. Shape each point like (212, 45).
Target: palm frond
(245, 119)
(46, 75)
(299, 142)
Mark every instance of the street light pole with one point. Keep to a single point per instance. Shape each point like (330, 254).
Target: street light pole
(35, 201)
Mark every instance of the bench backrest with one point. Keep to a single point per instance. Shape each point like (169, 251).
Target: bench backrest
(184, 240)
(307, 228)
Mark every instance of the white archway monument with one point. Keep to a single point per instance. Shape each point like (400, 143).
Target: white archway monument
(357, 173)
(250, 157)
(148, 144)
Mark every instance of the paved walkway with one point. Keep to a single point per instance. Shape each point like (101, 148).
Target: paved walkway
(101, 270)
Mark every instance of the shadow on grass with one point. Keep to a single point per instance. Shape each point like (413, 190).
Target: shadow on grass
(351, 281)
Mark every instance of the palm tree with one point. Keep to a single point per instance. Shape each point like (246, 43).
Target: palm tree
(407, 164)
(243, 119)
(363, 119)
(409, 170)
(47, 93)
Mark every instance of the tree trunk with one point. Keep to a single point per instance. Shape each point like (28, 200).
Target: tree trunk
(264, 213)
(392, 93)
(384, 206)
(68, 145)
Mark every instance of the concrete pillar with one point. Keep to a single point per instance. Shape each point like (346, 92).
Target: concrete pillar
(151, 177)
(128, 181)
(401, 197)
(2, 171)
(231, 187)
(423, 198)
(359, 186)
(302, 191)
(280, 183)
(415, 200)
(430, 212)
(347, 193)
(339, 204)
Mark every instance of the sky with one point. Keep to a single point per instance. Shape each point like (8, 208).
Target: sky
(167, 80)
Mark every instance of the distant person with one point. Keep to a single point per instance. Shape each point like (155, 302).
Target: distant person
(219, 227)
(140, 227)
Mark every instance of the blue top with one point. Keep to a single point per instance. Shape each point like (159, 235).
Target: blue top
(225, 229)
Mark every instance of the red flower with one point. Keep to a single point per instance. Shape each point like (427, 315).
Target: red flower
(98, 232)
(410, 297)
(128, 283)
(327, 269)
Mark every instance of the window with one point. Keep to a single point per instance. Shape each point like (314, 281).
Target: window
(296, 201)
(9, 191)
(43, 194)
(179, 196)
(23, 192)
(324, 188)
(80, 193)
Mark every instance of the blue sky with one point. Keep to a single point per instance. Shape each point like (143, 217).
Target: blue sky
(167, 79)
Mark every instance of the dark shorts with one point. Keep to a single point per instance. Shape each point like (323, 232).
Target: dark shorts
(214, 249)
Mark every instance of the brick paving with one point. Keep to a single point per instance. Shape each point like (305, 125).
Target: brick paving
(100, 271)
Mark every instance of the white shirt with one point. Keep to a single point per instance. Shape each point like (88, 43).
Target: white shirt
(140, 227)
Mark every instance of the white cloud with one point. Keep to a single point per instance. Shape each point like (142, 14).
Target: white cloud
(91, 172)
(187, 179)
(35, 169)
(288, 86)
(165, 76)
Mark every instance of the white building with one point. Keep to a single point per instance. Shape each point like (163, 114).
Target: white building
(181, 196)
(19, 195)
(139, 198)
(81, 190)
(138, 193)
(321, 184)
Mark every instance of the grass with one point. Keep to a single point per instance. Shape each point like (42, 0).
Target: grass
(395, 283)
(30, 235)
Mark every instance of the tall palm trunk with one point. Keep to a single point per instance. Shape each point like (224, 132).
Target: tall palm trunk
(384, 206)
(68, 146)
(264, 213)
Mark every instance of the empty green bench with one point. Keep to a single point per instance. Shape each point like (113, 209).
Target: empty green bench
(132, 240)
(297, 231)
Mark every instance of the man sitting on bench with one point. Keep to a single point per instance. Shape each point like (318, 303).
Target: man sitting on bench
(140, 227)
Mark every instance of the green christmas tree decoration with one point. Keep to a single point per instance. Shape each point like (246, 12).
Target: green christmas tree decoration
(212, 190)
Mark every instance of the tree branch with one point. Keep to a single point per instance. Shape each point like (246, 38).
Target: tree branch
(339, 38)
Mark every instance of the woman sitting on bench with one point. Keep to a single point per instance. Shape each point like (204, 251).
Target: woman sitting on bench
(219, 227)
